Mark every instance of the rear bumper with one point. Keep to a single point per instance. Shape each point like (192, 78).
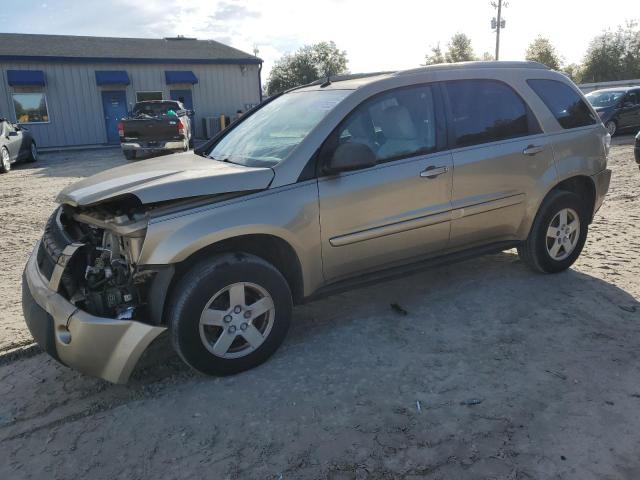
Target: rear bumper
(102, 347)
(601, 181)
(172, 145)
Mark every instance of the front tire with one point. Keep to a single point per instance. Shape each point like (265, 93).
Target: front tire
(558, 233)
(129, 154)
(5, 160)
(229, 314)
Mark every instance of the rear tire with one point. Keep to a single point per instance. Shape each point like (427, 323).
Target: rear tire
(5, 160)
(33, 153)
(558, 233)
(217, 330)
(129, 154)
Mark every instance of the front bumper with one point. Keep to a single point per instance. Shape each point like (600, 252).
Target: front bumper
(103, 347)
(601, 181)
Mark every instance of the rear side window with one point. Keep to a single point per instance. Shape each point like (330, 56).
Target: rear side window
(567, 106)
(486, 111)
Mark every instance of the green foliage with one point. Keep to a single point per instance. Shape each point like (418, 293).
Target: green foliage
(613, 55)
(542, 50)
(459, 49)
(435, 57)
(306, 65)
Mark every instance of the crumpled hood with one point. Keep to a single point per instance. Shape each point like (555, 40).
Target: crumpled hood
(171, 177)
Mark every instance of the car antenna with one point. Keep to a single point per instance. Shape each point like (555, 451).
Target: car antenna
(327, 82)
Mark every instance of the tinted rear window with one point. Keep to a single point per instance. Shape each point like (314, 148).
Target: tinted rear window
(567, 106)
(487, 111)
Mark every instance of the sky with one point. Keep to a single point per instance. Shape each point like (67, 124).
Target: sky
(376, 35)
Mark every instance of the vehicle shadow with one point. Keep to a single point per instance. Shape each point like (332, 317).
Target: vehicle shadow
(441, 324)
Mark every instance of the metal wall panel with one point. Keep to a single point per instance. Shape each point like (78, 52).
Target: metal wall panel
(75, 105)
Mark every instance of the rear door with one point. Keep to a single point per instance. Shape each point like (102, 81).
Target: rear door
(399, 209)
(499, 154)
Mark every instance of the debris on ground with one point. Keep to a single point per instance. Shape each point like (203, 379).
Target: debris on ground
(472, 401)
(398, 309)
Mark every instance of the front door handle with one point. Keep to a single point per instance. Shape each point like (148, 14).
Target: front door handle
(532, 149)
(433, 171)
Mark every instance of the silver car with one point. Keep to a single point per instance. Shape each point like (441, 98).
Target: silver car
(315, 190)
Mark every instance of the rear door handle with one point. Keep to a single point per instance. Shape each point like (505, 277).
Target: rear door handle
(533, 150)
(433, 171)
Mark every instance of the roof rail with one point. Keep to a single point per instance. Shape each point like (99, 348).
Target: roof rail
(347, 76)
(479, 64)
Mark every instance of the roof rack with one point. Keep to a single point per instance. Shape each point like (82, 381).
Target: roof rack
(348, 76)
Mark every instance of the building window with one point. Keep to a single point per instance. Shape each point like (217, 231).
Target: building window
(31, 107)
(144, 96)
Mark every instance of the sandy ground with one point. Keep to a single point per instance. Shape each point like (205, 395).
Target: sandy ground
(495, 372)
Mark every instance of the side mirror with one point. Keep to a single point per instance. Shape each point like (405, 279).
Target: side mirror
(350, 156)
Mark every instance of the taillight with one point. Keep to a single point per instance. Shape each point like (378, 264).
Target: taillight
(180, 127)
(121, 129)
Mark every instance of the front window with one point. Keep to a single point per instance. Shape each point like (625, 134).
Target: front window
(269, 135)
(604, 99)
(31, 107)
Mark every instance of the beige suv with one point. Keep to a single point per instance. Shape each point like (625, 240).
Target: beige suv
(313, 191)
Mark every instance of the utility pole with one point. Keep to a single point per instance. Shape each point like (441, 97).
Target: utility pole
(498, 24)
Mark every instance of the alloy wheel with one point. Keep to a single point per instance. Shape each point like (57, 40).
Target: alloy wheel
(6, 161)
(237, 320)
(611, 127)
(563, 234)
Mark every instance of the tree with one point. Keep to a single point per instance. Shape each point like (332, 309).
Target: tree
(573, 71)
(613, 55)
(542, 50)
(306, 65)
(488, 57)
(459, 49)
(435, 57)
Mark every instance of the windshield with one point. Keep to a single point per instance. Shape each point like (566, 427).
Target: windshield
(604, 99)
(269, 135)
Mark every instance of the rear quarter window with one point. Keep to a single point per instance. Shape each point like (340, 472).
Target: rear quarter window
(569, 109)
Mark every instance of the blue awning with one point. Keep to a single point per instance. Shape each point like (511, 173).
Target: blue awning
(180, 76)
(19, 78)
(112, 77)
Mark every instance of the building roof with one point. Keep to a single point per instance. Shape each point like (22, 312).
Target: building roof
(19, 46)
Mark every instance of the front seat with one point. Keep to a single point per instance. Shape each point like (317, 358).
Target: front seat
(400, 132)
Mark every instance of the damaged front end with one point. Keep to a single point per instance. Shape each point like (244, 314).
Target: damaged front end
(85, 299)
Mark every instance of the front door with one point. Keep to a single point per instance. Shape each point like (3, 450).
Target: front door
(114, 104)
(629, 115)
(398, 210)
(499, 157)
(185, 97)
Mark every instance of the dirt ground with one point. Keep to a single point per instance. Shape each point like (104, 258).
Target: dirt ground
(494, 373)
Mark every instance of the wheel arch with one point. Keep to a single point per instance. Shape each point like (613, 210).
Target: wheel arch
(273, 249)
(584, 187)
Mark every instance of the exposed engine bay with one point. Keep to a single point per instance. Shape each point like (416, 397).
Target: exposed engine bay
(102, 277)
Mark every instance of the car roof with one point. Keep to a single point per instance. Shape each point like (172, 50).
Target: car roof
(354, 81)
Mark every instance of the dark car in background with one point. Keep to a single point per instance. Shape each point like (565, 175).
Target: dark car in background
(16, 144)
(618, 108)
(155, 126)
